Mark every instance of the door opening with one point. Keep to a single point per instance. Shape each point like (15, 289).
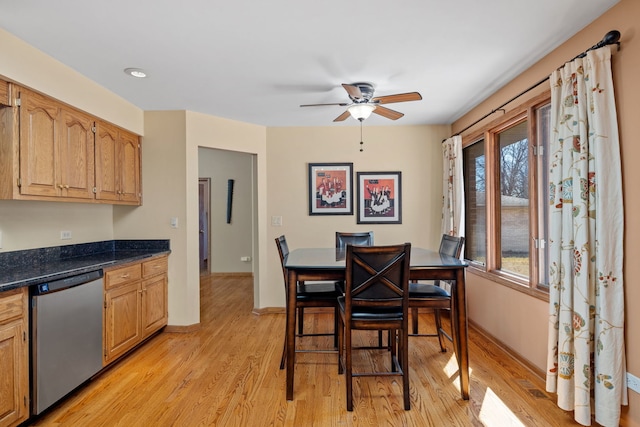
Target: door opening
(204, 203)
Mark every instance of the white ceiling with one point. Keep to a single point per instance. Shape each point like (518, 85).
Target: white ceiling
(257, 61)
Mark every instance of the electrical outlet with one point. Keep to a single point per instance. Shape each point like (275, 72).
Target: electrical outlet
(276, 221)
(65, 235)
(245, 258)
(633, 382)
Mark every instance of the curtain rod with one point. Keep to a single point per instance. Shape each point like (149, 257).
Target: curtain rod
(612, 37)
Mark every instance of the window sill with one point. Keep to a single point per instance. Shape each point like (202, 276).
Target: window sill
(509, 282)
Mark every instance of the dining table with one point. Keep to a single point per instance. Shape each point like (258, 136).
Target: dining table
(312, 264)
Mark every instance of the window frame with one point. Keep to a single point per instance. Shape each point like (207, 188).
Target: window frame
(527, 110)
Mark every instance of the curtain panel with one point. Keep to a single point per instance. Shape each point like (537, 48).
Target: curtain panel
(586, 352)
(452, 187)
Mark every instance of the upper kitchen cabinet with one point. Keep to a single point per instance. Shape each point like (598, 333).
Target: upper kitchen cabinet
(4, 93)
(50, 151)
(56, 149)
(117, 165)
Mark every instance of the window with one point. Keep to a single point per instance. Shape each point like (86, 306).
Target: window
(505, 178)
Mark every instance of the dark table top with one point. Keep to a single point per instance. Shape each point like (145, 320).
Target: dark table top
(330, 258)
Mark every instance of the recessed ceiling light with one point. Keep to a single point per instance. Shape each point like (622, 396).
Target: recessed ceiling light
(136, 72)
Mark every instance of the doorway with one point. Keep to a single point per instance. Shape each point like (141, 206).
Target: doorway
(204, 223)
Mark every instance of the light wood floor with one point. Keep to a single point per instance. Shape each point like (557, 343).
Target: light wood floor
(227, 374)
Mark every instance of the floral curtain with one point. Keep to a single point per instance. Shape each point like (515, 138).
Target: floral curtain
(586, 354)
(452, 187)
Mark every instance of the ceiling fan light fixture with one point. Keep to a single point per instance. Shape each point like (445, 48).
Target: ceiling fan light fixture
(361, 111)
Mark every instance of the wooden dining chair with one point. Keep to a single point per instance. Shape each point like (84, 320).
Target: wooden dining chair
(376, 298)
(342, 239)
(433, 295)
(362, 238)
(309, 294)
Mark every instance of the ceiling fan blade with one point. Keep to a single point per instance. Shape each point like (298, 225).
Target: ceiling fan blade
(399, 97)
(342, 104)
(387, 112)
(342, 117)
(353, 91)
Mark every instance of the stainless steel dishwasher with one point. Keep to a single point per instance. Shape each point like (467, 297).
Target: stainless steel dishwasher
(66, 336)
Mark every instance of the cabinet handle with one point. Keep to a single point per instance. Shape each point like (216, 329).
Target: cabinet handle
(125, 276)
(60, 186)
(66, 186)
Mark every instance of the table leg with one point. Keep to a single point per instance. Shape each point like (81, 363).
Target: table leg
(461, 332)
(292, 279)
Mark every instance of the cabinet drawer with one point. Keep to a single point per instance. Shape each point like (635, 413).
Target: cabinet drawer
(154, 266)
(122, 275)
(11, 305)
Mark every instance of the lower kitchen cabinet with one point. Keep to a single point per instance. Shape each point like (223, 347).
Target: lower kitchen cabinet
(14, 354)
(135, 304)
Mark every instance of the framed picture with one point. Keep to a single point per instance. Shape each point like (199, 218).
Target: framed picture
(379, 198)
(330, 188)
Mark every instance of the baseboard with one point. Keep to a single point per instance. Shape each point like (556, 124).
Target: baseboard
(280, 310)
(268, 310)
(231, 274)
(511, 352)
(182, 329)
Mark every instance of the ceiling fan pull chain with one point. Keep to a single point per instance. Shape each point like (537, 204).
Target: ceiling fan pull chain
(361, 142)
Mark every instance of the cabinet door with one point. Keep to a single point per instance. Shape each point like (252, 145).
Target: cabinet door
(14, 357)
(76, 155)
(107, 168)
(154, 304)
(122, 328)
(4, 93)
(129, 185)
(39, 118)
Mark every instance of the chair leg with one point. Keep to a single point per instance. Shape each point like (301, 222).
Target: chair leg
(348, 367)
(393, 345)
(335, 327)
(300, 320)
(404, 357)
(436, 314)
(380, 339)
(414, 320)
(340, 333)
(283, 359)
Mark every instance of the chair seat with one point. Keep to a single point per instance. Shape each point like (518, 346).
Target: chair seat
(427, 290)
(372, 314)
(315, 290)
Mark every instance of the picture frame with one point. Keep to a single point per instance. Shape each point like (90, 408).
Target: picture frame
(330, 188)
(379, 197)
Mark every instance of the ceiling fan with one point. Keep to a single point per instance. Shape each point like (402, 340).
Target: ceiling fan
(363, 103)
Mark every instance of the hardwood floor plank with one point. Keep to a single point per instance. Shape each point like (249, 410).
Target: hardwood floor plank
(226, 373)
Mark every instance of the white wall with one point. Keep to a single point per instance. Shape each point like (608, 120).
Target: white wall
(29, 224)
(414, 150)
(229, 241)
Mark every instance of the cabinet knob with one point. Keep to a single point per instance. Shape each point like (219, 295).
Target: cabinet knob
(66, 186)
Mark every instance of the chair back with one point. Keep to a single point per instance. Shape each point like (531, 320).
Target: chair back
(343, 239)
(283, 251)
(377, 277)
(452, 246)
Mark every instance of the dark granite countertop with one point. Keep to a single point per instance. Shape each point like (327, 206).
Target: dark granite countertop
(35, 266)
